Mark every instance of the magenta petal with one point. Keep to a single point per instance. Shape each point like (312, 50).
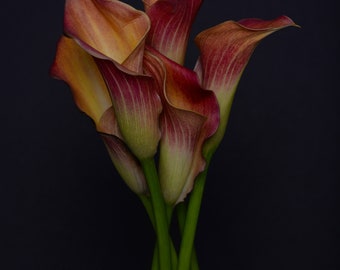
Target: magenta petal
(124, 161)
(225, 52)
(137, 107)
(126, 164)
(171, 21)
(180, 156)
(227, 47)
(190, 115)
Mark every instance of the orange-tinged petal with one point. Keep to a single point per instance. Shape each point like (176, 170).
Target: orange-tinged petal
(225, 52)
(190, 115)
(109, 27)
(79, 70)
(171, 21)
(137, 107)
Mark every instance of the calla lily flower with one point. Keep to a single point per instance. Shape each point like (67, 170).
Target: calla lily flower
(124, 67)
(190, 116)
(76, 67)
(225, 52)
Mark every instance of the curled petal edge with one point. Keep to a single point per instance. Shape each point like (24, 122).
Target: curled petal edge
(109, 27)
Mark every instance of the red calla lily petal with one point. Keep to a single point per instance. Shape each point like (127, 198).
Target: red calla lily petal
(180, 138)
(124, 161)
(108, 27)
(137, 107)
(225, 52)
(190, 115)
(126, 164)
(171, 21)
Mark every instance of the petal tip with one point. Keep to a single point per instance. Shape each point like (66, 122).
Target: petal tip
(265, 25)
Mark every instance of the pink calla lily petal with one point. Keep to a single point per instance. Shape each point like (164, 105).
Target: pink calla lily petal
(124, 161)
(171, 21)
(109, 27)
(79, 70)
(225, 52)
(137, 107)
(180, 138)
(190, 115)
(126, 164)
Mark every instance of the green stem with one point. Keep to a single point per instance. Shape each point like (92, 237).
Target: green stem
(160, 213)
(190, 225)
(149, 210)
(148, 207)
(181, 216)
(173, 249)
(155, 259)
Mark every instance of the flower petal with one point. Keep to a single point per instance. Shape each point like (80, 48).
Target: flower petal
(126, 164)
(179, 153)
(190, 115)
(124, 161)
(79, 70)
(225, 51)
(137, 107)
(171, 21)
(110, 27)
(148, 3)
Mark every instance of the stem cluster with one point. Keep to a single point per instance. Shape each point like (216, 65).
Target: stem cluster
(166, 255)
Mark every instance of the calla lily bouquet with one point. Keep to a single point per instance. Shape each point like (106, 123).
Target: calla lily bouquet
(160, 121)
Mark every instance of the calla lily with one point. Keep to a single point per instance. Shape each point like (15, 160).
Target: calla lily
(125, 69)
(137, 94)
(190, 116)
(79, 70)
(137, 107)
(225, 52)
(113, 33)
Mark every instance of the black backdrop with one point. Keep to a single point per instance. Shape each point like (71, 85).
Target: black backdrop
(272, 197)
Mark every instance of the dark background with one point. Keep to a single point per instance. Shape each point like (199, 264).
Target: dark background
(272, 197)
